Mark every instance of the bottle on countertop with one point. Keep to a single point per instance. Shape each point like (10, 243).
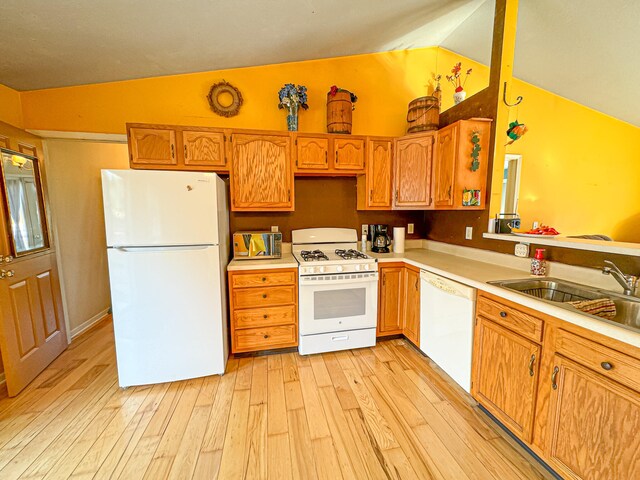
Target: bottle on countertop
(538, 263)
(364, 243)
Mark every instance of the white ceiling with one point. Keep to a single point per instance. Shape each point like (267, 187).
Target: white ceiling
(584, 50)
(46, 43)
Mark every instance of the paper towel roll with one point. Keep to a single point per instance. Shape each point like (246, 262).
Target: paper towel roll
(398, 239)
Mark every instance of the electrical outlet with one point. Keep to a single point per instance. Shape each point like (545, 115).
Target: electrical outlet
(468, 233)
(365, 229)
(536, 224)
(410, 228)
(274, 228)
(522, 250)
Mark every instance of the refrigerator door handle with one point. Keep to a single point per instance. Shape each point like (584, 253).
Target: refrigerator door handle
(162, 249)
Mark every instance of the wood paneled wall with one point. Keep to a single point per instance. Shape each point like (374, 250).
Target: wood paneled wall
(325, 202)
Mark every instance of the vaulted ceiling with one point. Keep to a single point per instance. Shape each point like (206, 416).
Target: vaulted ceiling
(584, 50)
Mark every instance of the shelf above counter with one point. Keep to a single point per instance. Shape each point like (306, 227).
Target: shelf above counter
(620, 248)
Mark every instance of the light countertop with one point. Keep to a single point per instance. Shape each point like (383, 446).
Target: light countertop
(286, 261)
(476, 274)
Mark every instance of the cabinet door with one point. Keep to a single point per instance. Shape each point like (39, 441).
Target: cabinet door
(204, 149)
(27, 149)
(261, 173)
(445, 166)
(349, 153)
(390, 300)
(594, 425)
(312, 153)
(505, 375)
(414, 157)
(411, 327)
(378, 173)
(152, 146)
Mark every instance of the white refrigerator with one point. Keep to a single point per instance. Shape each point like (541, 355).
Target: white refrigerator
(168, 248)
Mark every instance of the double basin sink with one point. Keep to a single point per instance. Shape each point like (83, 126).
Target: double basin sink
(558, 292)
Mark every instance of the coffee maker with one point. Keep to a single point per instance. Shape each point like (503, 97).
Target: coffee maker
(380, 240)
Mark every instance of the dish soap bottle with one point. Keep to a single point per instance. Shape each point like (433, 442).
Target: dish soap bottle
(538, 263)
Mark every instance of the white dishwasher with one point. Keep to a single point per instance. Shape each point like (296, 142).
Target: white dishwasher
(447, 310)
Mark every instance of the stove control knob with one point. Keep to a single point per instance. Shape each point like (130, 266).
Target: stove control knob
(339, 268)
(358, 267)
(366, 267)
(322, 269)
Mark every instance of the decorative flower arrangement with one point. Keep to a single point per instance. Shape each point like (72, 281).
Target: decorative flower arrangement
(456, 79)
(335, 89)
(291, 98)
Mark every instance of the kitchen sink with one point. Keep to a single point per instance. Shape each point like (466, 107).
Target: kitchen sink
(558, 292)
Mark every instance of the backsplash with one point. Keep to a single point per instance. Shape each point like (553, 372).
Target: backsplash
(325, 202)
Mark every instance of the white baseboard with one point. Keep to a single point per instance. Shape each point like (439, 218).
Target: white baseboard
(84, 326)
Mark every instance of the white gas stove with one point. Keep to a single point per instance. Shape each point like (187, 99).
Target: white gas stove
(338, 290)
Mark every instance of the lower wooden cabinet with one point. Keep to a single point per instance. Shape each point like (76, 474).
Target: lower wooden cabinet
(505, 376)
(579, 410)
(399, 301)
(263, 306)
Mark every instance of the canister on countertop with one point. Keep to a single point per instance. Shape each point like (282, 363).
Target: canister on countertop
(398, 239)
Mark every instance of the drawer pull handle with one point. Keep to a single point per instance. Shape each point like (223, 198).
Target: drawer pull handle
(264, 279)
(606, 365)
(265, 316)
(503, 314)
(341, 337)
(531, 362)
(264, 295)
(266, 336)
(554, 385)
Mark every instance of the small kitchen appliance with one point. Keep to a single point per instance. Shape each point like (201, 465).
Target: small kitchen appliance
(505, 222)
(337, 291)
(380, 240)
(257, 245)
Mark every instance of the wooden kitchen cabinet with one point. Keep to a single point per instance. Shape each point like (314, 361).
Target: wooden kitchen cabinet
(349, 153)
(312, 153)
(167, 147)
(413, 161)
(375, 186)
(452, 166)
(504, 378)
(411, 326)
(593, 425)
(263, 309)
(261, 175)
(390, 299)
(328, 154)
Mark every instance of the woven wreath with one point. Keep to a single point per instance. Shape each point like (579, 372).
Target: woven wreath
(229, 110)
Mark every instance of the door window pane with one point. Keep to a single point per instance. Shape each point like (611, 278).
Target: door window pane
(348, 302)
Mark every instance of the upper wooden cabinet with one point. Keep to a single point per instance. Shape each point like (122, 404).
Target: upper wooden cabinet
(453, 164)
(412, 175)
(328, 154)
(374, 188)
(203, 149)
(261, 176)
(165, 147)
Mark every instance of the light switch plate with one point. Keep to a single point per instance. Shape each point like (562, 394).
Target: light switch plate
(410, 228)
(468, 233)
(522, 250)
(274, 228)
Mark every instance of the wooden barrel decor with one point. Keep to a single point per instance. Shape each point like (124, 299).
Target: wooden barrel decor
(339, 108)
(423, 114)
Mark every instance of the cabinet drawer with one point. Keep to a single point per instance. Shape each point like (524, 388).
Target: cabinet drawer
(264, 317)
(515, 320)
(264, 297)
(269, 279)
(265, 338)
(604, 360)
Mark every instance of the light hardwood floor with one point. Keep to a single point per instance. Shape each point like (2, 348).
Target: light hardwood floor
(384, 412)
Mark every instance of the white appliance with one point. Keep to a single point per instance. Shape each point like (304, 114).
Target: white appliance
(447, 310)
(168, 247)
(337, 291)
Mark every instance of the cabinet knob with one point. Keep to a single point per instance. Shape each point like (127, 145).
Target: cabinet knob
(266, 336)
(503, 314)
(606, 365)
(264, 295)
(265, 316)
(264, 279)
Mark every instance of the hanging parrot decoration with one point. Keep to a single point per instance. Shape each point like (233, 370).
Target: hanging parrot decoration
(516, 130)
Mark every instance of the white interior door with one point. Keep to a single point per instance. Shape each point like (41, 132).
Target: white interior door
(167, 313)
(144, 208)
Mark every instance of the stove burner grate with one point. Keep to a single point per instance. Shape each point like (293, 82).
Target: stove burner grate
(312, 256)
(350, 254)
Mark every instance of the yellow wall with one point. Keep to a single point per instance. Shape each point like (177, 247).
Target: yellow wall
(10, 107)
(384, 82)
(580, 170)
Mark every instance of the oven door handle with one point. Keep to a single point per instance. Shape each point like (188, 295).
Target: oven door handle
(306, 281)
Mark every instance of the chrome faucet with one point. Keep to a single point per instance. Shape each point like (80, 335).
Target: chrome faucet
(627, 282)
